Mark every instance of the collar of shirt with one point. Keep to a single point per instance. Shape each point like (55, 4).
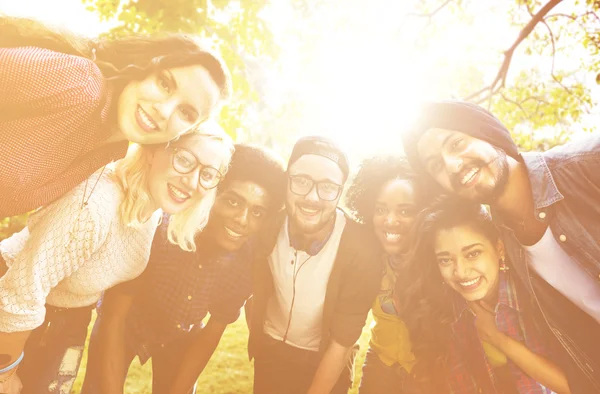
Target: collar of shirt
(543, 187)
(509, 321)
(297, 240)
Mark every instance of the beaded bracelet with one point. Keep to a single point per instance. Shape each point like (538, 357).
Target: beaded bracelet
(11, 366)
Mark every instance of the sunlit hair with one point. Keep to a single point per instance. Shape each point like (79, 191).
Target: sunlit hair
(132, 173)
(261, 166)
(420, 294)
(374, 172)
(122, 59)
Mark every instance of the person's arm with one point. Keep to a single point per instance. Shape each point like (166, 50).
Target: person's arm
(197, 356)
(59, 239)
(248, 312)
(539, 368)
(334, 360)
(62, 93)
(109, 352)
(360, 284)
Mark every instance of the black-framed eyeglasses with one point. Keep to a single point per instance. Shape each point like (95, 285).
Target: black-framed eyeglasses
(185, 161)
(301, 185)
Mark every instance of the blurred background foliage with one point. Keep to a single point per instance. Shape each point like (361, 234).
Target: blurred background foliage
(356, 70)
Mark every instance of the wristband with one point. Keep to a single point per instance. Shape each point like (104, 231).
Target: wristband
(13, 365)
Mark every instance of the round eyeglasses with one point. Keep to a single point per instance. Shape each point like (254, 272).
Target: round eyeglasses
(184, 162)
(301, 185)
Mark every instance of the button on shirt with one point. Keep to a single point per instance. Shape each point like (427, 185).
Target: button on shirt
(178, 290)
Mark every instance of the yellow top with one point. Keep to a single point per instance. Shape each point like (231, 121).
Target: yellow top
(389, 335)
(494, 355)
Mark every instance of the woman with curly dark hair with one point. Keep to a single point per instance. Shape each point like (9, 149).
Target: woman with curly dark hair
(385, 195)
(69, 105)
(471, 324)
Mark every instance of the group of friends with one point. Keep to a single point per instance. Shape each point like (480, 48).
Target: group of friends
(480, 264)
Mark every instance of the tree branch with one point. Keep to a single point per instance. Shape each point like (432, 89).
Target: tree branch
(487, 92)
(431, 14)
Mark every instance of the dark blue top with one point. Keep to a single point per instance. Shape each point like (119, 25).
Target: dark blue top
(178, 289)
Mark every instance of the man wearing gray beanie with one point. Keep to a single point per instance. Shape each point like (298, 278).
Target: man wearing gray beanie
(546, 205)
(315, 281)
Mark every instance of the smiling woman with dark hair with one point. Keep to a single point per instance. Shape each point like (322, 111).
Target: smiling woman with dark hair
(386, 196)
(471, 323)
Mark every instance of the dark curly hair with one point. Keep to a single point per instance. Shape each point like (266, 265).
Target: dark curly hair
(373, 173)
(261, 166)
(420, 292)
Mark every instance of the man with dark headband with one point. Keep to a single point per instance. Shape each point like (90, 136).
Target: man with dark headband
(546, 206)
(315, 284)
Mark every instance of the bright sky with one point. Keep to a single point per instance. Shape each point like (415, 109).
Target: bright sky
(364, 75)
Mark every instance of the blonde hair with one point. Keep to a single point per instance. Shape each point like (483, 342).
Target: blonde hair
(132, 173)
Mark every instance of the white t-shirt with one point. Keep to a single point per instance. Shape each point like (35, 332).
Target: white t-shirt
(312, 276)
(555, 266)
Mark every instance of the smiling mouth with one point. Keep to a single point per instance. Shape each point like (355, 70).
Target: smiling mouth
(177, 194)
(470, 284)
(392, 237)
(145, 120)
(469, 176)
(233, 234)
(308, 211)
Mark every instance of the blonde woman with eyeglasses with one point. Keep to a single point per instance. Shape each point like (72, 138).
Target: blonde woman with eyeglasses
(97, 235)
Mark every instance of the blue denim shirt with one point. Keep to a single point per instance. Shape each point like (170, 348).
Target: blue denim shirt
(565, 184)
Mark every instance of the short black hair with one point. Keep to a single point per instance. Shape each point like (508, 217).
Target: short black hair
(261, 166)
(373, 173)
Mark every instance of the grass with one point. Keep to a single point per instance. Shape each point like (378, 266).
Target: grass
(228, 372)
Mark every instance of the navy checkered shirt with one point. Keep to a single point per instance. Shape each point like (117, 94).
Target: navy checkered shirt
(178, 289)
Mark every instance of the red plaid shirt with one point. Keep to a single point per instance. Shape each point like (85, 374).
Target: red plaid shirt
(468, 367)
(53, 120)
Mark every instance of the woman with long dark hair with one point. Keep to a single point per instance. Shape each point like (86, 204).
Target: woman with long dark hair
(471, 323)
(70, 105)
(385, 195)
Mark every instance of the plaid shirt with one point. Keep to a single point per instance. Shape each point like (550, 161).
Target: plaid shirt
(178, 289)
(469, 369)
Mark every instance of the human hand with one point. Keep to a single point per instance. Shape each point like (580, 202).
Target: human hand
(12, 384)
(485, 322)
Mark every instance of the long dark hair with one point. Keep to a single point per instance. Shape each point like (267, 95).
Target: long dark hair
(424, 300)
(123, 59)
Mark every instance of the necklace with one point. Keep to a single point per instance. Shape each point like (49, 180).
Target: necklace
(84, 201)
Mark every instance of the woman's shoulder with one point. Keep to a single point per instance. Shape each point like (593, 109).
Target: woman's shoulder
(98, 196)
(50, 71)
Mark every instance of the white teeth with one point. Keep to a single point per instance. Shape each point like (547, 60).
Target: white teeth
(144, 116)
(232, 233)
(178, 193)
(309, 211)
(392, 236)
(470, 282)
(469, 175)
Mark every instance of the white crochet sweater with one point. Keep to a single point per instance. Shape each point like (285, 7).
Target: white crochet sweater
(68, 255)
